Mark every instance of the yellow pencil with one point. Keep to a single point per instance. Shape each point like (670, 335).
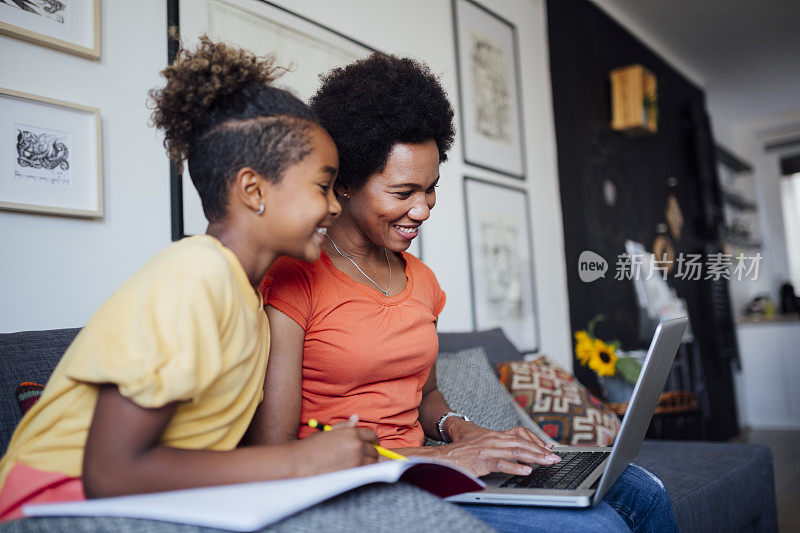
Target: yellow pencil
(389, 454)
(314, 423)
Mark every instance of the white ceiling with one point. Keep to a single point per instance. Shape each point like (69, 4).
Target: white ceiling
(745, 52)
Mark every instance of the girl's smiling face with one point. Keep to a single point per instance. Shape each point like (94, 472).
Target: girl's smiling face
(391, 206)
(302, 204)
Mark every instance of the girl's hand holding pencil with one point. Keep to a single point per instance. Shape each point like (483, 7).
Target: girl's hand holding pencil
(336, 448)
(389, 454)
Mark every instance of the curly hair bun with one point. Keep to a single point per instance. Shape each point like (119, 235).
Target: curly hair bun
(198, 80)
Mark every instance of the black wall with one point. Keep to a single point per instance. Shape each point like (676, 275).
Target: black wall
(585, 45)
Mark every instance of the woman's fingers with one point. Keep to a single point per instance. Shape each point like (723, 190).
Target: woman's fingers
(509, 467)
(498, 452)
(523, 454)
(512, 452)
(526, 433)
(506, 446)
(511, 438)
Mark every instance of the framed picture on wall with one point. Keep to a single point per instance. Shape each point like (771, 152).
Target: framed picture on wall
(68, 25)
(501, 261)
(489, 87)
(51, 156)
(262, 28)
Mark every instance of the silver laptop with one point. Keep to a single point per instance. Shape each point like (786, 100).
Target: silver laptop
(585, 474)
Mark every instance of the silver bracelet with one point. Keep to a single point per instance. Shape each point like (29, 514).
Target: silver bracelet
(440, 424)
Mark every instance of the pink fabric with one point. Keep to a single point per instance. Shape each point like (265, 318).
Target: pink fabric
(28, 485)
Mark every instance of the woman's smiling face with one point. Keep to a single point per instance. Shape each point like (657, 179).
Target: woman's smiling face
(390, 207)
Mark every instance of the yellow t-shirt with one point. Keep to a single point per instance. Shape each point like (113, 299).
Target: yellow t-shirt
(188, 327)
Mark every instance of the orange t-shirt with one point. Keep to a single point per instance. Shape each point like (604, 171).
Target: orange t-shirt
(363, 353)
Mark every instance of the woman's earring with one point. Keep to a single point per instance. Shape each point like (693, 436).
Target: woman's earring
(260, 210)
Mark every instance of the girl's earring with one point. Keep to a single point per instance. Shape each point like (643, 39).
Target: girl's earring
(260, 210)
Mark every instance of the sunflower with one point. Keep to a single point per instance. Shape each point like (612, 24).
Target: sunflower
(583, 347)
(603, 358)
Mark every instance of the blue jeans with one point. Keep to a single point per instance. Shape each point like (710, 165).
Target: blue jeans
(637, 502)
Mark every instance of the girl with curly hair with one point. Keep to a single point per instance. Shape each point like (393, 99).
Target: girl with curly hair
(157, 391)
(355, 331)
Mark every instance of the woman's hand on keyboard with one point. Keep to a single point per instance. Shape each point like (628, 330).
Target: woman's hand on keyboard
(481, 451)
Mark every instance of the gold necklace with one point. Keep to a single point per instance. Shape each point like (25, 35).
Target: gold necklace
(385, 253)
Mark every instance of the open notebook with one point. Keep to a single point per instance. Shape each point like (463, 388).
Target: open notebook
(251, 506)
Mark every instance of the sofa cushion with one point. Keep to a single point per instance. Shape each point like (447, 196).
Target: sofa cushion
(496, 345)
(26, 356)
(468, 383)
(715, 486)
(558, 403)
(466, 380)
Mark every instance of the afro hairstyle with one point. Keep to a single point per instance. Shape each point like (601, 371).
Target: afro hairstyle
(372, 104)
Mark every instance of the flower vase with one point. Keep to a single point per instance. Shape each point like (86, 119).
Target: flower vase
(616, 389)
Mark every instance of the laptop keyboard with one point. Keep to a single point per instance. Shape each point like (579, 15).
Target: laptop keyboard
(568, 474)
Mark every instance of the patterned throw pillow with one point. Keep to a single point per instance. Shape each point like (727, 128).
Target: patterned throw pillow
(28, 394)
(556, 401)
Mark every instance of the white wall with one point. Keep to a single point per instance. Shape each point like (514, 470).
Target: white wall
(56, 271)
(743, 123)
(734, 108)
(748, 138)
(649, 39)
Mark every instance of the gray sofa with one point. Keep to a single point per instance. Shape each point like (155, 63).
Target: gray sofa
(714, 486)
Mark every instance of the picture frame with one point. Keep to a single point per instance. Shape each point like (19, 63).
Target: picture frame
(72, 27)
(261, 27)
(500, 248)
(487, 60)
(51, 156)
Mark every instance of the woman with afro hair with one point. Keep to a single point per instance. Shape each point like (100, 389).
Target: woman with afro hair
(355, 331)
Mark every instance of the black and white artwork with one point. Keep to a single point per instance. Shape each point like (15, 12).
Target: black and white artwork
(52, 155)
(500, 272)
(67, 25)
(491, 125)
(501, 261)
(490, 78)
(42, 156)
(55, 10)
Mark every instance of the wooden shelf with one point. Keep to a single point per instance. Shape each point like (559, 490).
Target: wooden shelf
(634, 100)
